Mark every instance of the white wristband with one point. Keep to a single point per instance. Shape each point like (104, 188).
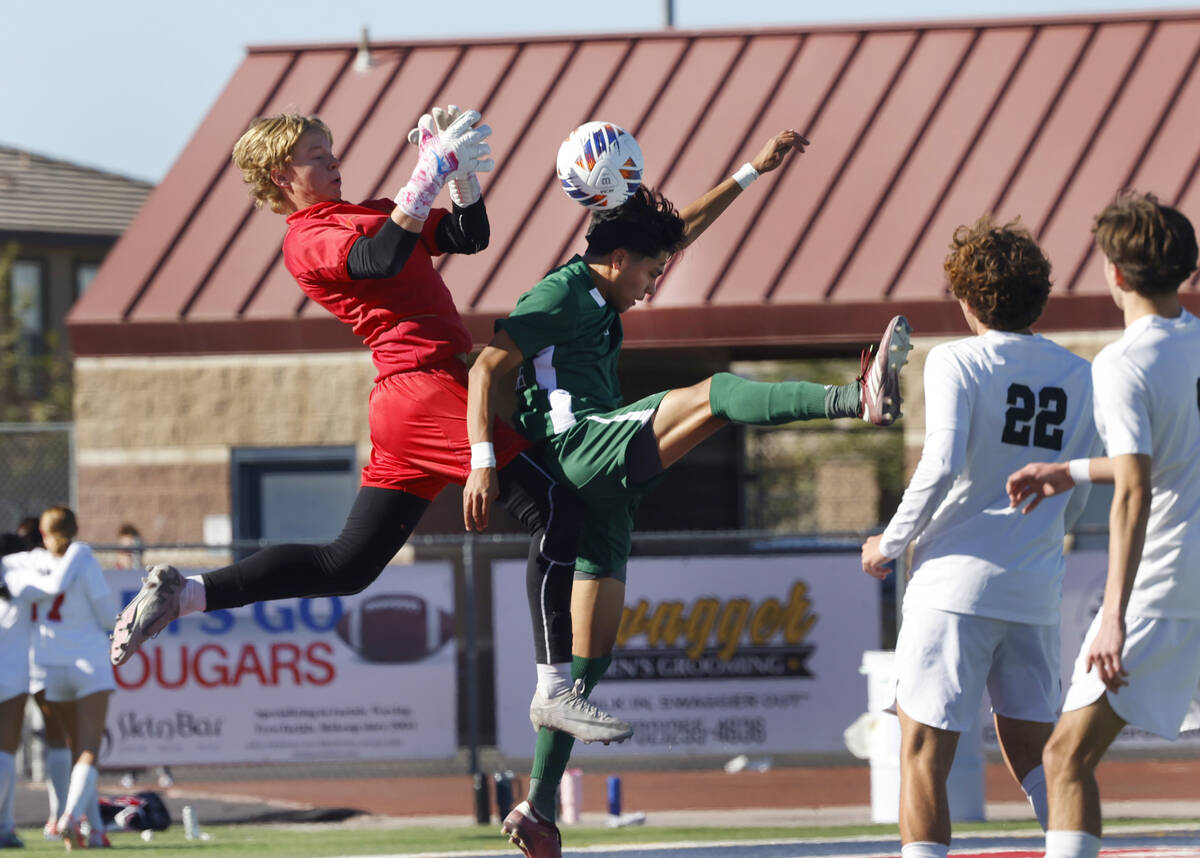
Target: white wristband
(1080, 471)
(745, 175)
(483, 455)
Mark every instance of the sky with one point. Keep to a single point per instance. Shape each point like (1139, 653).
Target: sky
(121, 85)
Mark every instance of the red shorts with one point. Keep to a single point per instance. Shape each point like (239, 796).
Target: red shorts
(419, 431)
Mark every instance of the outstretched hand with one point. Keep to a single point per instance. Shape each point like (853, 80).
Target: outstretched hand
(1038, 480)
(776, 149)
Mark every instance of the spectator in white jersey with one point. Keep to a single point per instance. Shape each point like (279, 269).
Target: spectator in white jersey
(1140, 660)
(73, 610)
(982, 607)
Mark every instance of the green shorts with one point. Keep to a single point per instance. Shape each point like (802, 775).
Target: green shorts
(590, 457)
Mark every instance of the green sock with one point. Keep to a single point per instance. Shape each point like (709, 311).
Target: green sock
(843, 400)
(762, 403)
(553, 749)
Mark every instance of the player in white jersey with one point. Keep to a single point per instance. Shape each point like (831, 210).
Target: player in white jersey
(14, 681)
(1140, 660)
(982, 608)
(73, 610)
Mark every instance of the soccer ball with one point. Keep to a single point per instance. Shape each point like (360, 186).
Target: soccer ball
(600, 165)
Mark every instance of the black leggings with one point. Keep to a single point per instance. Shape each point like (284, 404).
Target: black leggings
(380, 522)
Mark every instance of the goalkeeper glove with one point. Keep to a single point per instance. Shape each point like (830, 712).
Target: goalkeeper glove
(462, 183)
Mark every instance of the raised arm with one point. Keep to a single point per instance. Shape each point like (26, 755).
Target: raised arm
(498, 357)
(700, 214)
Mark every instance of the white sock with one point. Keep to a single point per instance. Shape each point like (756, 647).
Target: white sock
(924, 849)
(1034, 785)
(1071, 844)
(193, 599)
(58, 776)
(554, 678)
(8, 785)
(83, 784)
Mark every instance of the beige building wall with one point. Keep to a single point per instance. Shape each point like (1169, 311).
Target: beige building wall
(153, 435)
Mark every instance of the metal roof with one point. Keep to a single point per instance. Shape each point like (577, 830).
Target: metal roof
(40, 195)
(914, 128)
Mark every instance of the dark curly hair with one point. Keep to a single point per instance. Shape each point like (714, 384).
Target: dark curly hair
(1000, 272)
(646, 224)
(1152, 245)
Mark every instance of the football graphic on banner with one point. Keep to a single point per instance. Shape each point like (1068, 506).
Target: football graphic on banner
(395, 627)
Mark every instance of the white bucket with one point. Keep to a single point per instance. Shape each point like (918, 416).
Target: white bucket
(965, 784)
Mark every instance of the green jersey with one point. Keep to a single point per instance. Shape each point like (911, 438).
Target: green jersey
(571, 339)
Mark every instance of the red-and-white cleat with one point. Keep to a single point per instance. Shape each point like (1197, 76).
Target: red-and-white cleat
(880, 373)
(536, 837)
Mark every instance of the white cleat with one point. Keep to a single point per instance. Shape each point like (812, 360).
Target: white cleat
(150, 611)
(570, 712)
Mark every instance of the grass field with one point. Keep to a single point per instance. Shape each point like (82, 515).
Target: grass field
(322, 841)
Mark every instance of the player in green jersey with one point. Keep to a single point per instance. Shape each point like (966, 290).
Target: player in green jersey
(566, 334)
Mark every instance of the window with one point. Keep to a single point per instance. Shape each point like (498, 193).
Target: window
(25, 289)
(291, 494)
(85, 273)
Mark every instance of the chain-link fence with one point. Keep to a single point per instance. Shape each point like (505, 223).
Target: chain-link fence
(37, 469)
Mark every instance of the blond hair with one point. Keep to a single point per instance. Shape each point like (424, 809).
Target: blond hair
(266, 146)
(58, 527)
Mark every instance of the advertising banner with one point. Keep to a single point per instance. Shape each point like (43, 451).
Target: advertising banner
(368, 676)
(715, 655)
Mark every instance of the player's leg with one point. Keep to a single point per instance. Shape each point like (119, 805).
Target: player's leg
(1075, 748)
(83, 771)
(596, 606)
(926, 754)
(91, 711)
(1162, 658)
(942, 664)
(686, 416)
(553, 515)
(597, 603)
(1022, 743)
(379, 523)
(58, 761)
(12, 716)
(1024, 685)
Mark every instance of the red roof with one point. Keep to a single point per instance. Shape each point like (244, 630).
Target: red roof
(914, 128)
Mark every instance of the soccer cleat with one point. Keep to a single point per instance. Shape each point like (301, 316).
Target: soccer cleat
(50, 830)
(537, 838)
(98, 840)
(880, 373)
(151, 610)
(70, 829)
(9, 840)
(570, 712)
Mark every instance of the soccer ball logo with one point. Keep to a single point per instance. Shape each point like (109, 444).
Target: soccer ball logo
(600, 165)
